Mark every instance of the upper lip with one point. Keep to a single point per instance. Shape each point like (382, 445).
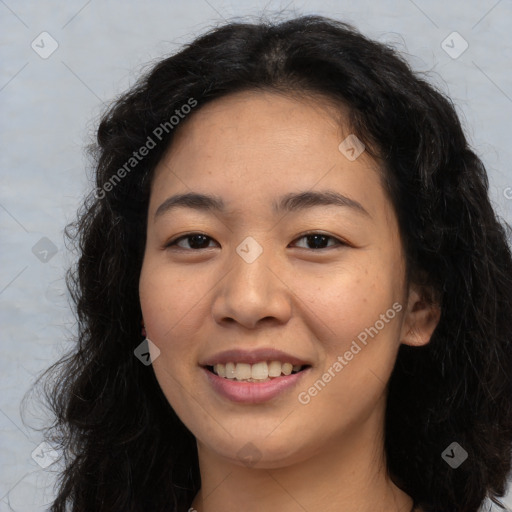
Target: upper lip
(252, 357)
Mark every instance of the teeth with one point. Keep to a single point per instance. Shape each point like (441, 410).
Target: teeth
(243, 371)
(287, 368)
(274, 369)
(230, 370)
(221, 370)
(261, 371)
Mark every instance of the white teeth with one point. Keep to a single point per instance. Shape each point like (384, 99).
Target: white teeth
(230, 370)
(261, 371)
(221, 370)
(243, 371)
(287, 368)
(274, 369)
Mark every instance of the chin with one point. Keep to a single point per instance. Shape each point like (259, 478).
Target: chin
(261, 451)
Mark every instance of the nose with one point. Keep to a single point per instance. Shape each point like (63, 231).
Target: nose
(253, 293)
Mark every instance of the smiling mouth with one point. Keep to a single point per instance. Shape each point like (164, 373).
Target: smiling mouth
(263, 371)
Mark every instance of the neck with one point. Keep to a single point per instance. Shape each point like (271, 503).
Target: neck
(348, 475)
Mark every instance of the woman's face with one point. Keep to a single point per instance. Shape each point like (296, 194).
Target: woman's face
(297, 261)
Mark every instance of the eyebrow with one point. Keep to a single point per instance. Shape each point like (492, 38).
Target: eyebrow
(292, 202)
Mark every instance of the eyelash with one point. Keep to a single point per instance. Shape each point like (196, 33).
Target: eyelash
(340, 243)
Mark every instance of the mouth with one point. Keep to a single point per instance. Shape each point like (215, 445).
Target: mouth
(254, 376)
(235, 381)
(262, 371)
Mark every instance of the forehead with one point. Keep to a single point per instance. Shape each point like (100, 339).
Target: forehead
(248, 120)
(258, 144)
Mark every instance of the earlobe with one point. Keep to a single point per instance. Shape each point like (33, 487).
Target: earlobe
(421, 318)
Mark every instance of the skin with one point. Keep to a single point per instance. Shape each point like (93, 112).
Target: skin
(250, 148)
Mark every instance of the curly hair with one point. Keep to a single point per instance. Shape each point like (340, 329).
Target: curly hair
(123, 445)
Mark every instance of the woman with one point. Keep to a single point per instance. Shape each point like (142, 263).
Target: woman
(292, 290)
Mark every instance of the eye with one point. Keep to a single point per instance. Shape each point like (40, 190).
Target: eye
(198, 241)
(195, 241)
(319, 240)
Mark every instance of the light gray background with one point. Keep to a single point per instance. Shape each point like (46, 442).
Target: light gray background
(50, 106)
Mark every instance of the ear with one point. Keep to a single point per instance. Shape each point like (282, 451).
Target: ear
(421, 317)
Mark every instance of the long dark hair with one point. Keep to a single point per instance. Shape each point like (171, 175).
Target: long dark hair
(124, 447)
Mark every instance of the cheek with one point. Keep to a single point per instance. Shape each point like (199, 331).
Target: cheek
(359, 354)
(349, 299)
(172, 303)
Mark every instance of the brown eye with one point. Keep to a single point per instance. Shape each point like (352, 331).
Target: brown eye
(195, 241)
(319, 241)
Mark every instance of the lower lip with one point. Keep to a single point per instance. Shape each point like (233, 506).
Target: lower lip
(253, 392)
